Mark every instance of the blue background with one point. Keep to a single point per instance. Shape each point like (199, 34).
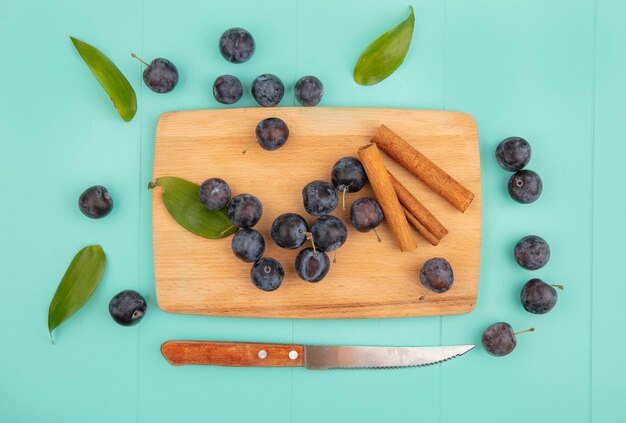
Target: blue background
(550, 71)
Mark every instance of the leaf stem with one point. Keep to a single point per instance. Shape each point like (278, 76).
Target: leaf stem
(227, 229)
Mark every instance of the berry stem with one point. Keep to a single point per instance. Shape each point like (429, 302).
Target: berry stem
(424, 296)
(343, 199)
(377, 236)
(559, 287)
(524, 331)
(335, 258)
(309, 236)
(135, 56)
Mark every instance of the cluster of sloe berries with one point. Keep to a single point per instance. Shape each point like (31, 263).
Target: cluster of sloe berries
(513, 154)
(248, 245)
(348, 175)
(268, 90)
(290, 230)
(237, 46)
(531, 252)
(327, 233)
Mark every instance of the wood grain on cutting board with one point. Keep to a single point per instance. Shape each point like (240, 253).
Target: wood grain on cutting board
(370, 279)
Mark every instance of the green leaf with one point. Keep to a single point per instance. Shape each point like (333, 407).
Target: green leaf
(381, 58)
(183, 203)
(109, 76)
(80, 281)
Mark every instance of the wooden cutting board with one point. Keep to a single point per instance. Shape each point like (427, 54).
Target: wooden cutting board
(370, 279)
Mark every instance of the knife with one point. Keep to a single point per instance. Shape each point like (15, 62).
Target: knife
(315, 357)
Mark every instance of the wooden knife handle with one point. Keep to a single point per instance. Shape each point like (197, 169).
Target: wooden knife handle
(233, 353)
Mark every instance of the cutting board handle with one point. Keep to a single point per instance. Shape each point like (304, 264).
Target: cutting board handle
(233, 354)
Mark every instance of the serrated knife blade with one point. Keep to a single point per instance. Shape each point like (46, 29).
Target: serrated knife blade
(354, 357)
(315, 357)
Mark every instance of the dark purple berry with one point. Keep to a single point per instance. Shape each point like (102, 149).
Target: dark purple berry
(245, 210)
(329, 233)
(513, 153)
(267, 274)
(499, 339)
(348, 175)
(95, 202)
(309, 90)
(312, 265)
(365, 214)
(272, 133)
(532, 252)
(236, 45)
(538, 297)
(437, 275)
(227, 89)
(267, 90)
(319, 198)
(248, 245)
(214, 193)
(161, 76)
(128, 307)
(525, 186)
(289, 231)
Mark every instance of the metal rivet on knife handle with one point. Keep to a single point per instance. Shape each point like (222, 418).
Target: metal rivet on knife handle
(262, 354)
(293, 354)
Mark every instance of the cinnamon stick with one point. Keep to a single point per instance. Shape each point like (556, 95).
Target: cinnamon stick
(420, 228)
(417, 209)
(419, 165)
(383, 190)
